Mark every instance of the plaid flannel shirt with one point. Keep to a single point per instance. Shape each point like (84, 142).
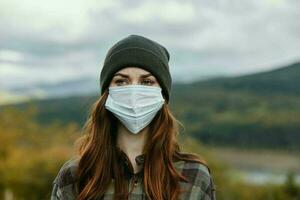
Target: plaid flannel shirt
(200, 186)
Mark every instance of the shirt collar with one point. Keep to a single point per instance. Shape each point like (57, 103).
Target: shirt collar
(125, 161)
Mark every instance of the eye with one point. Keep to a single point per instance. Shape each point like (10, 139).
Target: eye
(120, 82)
(148, 82)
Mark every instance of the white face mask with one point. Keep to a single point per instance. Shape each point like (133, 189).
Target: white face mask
(134, 105)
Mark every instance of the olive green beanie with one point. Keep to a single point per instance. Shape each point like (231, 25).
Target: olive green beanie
(138, 51)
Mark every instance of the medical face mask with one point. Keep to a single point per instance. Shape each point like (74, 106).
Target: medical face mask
(134, 105)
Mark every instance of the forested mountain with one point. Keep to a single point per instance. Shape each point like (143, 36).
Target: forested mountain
(284, 80)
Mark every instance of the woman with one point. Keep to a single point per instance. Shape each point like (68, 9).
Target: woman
(129, 149)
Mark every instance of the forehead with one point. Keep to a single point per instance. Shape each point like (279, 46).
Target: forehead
(133, 71)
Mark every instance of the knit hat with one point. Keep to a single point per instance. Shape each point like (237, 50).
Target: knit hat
(138, 51)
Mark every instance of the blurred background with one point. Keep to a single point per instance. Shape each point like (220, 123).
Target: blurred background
(236, 63)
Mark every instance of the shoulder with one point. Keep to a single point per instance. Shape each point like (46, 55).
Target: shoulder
(196, 173)
(199, 177)
(67, 173)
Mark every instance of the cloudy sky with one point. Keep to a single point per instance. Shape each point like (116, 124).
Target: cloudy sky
(53, 41)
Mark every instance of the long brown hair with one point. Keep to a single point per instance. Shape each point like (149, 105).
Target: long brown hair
(99, 161)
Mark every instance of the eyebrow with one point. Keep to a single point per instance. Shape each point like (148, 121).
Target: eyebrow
(127, 76)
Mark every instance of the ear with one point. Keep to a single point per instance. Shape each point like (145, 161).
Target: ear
(164, 96)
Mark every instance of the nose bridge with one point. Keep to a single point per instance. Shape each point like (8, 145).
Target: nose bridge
(134, 79)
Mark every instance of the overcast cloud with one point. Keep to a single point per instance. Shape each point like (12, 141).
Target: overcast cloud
(54, 41)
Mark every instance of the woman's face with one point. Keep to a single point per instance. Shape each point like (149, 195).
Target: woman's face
(133, 76)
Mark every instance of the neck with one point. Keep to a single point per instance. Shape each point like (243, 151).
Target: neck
(131, 144)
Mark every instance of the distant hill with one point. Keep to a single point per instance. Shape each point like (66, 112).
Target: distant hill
(81, 86)
(283, 80)
(260, 110)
